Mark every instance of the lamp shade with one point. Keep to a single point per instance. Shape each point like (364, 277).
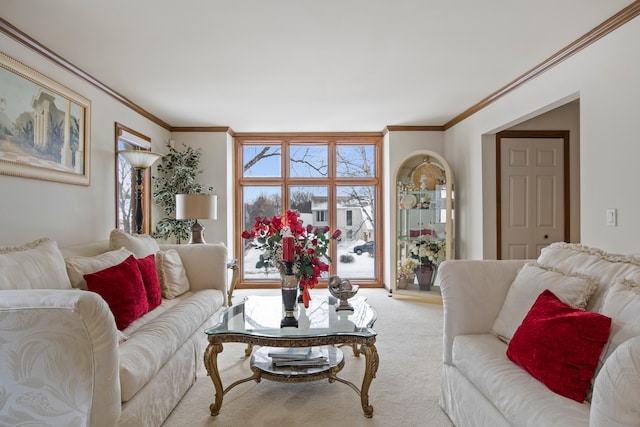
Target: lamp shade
(140, 159)
(196, 206)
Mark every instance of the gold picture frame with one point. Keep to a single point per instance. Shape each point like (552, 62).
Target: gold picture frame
(44, 127)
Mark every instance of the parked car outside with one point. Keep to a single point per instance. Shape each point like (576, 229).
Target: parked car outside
(367, 247)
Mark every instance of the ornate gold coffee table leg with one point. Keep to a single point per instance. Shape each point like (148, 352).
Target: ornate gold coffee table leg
(372, 361)
(211, 363)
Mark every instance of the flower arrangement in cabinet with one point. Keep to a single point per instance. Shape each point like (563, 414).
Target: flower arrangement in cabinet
(428, 252)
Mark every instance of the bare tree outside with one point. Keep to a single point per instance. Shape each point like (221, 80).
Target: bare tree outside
(261, 161)
(308, 161)
(125, 195)
(125, 189)
(357, 161)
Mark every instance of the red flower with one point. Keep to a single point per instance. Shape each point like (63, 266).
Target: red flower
(311, 247)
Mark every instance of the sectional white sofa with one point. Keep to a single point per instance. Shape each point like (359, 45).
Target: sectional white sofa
(482, 386)
(62, 358)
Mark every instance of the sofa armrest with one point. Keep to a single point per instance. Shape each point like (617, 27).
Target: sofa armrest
(473, 292)
(59, 353)
(617, 387)
(205, 264)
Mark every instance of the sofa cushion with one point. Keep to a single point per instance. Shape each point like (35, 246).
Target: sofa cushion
(147, 266)
(622, 304)
(78, 266)
(141, 245)
(167, 304)
(35, 265)
(617, 387)
(122, 288)
(151, 345)
(603, 267)
(559, 345)
(522, 399)
(530, 281)
(172, 275)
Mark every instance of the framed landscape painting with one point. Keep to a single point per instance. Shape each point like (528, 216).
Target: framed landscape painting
(44, 126)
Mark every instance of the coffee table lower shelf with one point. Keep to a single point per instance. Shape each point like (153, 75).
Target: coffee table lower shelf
(262, 367)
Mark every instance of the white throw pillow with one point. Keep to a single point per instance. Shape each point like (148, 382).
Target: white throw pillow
(605, 268)
(622, 304)
(35, 265)
(173, 277)
(78, 266)
(141, 245)
(531, 281)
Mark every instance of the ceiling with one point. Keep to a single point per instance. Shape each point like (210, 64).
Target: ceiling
(306, 66)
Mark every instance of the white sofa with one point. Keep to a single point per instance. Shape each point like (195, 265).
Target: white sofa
(481, 386)
(64, 362)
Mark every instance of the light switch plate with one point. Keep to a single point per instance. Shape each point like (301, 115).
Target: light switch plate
(612, 217)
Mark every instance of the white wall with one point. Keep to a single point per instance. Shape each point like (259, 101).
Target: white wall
(216, 172)
(605, 78)
(70, 214)
(397, 146)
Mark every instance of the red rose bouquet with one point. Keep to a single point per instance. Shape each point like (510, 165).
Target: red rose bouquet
(311, 245)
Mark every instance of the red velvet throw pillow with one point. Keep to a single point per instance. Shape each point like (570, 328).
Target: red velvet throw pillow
(122, 288)
(147, 266)
(559, 345)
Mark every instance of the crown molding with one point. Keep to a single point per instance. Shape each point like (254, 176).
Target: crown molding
(394, 128)
(225, 129)
(302, 135)
(28, 41)
(611, 24)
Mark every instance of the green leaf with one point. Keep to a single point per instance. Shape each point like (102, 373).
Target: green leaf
(176, 175)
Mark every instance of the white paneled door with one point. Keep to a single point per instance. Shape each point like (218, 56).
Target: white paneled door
(532, 193)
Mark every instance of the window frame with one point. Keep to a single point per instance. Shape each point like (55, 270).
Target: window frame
(332, 140)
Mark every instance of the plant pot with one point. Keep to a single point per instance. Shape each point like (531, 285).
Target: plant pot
(404, 283)
(425, 275)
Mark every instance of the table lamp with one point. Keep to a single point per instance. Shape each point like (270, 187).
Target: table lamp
(196, 206)
(139, 160)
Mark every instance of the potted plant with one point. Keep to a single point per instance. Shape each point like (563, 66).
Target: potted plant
(406, 273)
(176, 175)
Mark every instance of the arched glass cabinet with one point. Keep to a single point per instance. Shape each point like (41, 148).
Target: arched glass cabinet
(424, 224)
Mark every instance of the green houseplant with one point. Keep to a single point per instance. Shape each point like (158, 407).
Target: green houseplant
(176, 175)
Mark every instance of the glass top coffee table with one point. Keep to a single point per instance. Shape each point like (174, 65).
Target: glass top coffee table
(256, 322)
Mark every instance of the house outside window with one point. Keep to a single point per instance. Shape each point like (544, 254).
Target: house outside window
(321, 216)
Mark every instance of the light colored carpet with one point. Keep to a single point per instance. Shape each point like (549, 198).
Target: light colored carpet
(405, 391)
